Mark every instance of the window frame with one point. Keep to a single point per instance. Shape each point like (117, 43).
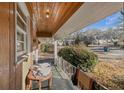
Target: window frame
(19, 55)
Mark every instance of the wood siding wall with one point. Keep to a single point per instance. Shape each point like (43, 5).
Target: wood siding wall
(11, 45)
(10, 73)
(4, 45)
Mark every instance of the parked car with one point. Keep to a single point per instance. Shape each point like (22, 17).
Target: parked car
(106, 49)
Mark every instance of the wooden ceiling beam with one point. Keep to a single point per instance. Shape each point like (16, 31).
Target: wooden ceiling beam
(43, 34)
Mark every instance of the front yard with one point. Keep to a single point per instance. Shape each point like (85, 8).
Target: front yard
(110, 69)
(109, 74)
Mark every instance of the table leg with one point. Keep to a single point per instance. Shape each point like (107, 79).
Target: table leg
(30, 85)
(50, 83)
(40, 84)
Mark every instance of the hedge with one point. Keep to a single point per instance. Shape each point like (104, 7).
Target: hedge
(79, 57)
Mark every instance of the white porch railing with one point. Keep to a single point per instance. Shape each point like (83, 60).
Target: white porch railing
(68, 68)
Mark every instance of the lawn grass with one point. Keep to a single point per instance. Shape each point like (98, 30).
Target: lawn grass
(109, 74)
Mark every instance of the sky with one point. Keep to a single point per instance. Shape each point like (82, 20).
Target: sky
(105, 23)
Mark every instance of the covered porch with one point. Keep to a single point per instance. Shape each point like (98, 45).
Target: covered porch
(25, 26)
(59, 80)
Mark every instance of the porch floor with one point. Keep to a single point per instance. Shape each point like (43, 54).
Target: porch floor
(58, 83)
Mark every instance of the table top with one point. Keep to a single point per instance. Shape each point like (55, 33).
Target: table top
(42, 69)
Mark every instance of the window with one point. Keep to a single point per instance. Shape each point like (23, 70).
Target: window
(21, 34)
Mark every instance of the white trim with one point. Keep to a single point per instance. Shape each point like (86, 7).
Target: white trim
(21, 18)
(20, 53)
(24, 8)
(28, 35)
(20, 30)
(20, 41)
(24, 42)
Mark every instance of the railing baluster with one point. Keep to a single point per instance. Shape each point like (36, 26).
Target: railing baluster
(68, 68)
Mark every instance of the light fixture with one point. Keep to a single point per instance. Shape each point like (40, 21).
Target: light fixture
(47, 13)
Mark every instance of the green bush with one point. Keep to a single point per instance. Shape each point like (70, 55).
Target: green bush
(45, 48)
(79, 57)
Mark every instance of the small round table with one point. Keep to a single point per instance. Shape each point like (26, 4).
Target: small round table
(44, 78)
(40, 73)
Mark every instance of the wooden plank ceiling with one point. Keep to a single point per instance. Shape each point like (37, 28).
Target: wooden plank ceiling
(50, 16)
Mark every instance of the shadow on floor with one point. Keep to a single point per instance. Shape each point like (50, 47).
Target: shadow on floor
(50, 61)
(58, 84)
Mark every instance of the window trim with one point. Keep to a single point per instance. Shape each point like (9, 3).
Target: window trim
(25, 36)
(19, 55)
(21, 18)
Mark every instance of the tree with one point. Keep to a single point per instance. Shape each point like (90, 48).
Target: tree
(87, 40)
(91, 36)
(77, 39)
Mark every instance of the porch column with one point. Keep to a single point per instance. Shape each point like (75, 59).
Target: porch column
(55, 52)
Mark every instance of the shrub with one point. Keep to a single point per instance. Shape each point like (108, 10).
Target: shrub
(79, 57)
(45, 48)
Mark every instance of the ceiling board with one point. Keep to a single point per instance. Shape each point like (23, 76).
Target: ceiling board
(59, 13)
